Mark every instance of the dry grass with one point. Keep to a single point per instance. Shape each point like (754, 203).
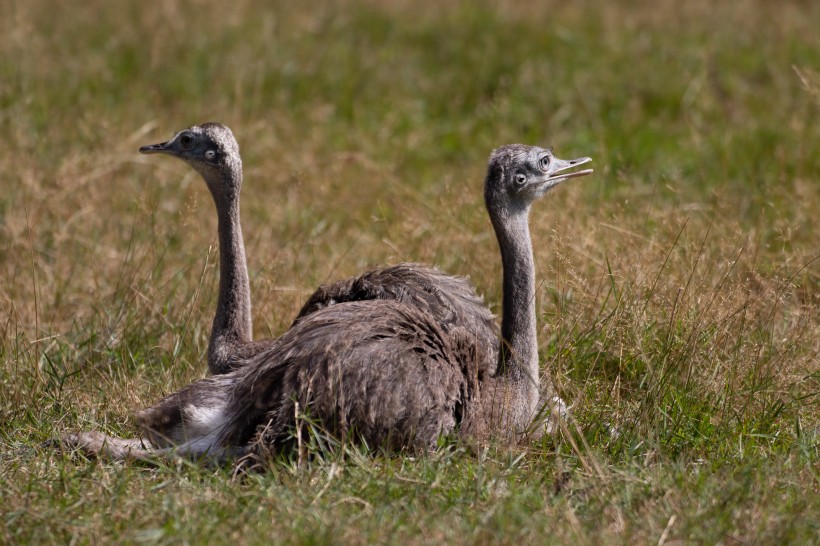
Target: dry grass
(678, 287)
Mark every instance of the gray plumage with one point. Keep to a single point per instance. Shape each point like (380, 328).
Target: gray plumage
(394, 372)
(450, 301)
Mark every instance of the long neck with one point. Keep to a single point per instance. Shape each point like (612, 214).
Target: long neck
(232, 324)
(518, 357)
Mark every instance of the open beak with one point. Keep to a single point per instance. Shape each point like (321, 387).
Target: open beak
(160, 148)
(561, 165)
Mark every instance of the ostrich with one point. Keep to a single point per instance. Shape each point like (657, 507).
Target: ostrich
(213, 152)
(384, 371)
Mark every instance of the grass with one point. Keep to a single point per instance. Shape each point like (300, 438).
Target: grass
(678, 288)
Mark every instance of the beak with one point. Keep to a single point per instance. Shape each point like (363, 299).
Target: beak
(561, 165)
(558, 174)
(160, 148)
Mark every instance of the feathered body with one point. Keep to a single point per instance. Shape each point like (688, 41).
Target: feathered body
(452, 302)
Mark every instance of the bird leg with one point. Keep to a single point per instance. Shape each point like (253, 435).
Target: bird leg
(97, 444)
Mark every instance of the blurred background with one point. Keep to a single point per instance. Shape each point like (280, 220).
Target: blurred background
(682, 275)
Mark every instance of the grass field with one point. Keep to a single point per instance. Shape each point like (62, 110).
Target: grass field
(678, 287)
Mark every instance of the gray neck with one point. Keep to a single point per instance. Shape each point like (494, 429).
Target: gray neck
(233, 324)
(518, 357)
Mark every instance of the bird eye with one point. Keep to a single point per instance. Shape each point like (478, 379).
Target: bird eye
(210, 154)
(544, 162)
(186, 142)
(520, 178)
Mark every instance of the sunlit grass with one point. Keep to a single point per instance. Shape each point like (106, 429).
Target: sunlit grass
(678, 287)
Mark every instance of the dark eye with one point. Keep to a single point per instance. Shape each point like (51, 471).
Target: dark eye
(520, 179)
(544, 163)
(186, 142)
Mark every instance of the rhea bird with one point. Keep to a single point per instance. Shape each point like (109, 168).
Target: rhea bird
(386, 371)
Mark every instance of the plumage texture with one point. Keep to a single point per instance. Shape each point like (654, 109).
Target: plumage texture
(450, 301)
(333, 364)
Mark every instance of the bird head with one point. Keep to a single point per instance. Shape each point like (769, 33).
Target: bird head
(517, 175)
(209, 148)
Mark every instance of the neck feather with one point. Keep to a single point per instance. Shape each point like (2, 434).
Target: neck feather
(518, 357)
(232, 324)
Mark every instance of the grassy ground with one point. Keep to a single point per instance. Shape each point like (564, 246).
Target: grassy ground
(679, 288)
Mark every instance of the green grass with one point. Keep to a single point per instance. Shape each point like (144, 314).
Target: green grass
(679, 287)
